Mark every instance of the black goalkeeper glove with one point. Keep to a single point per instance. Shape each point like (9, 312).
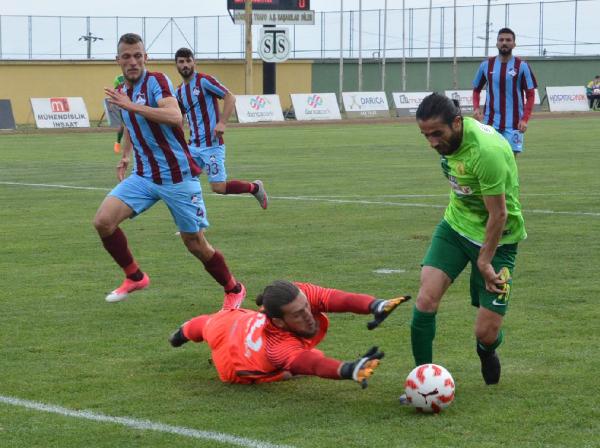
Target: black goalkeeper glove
(362, 369)
(381, 309)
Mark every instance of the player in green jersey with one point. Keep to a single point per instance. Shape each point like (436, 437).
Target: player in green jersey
(119, 79)
(482, 225)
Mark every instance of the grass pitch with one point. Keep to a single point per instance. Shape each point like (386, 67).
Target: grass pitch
(346, 201)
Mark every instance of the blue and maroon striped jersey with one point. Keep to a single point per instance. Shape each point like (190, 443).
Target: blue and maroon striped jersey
(161, 153)
(506, 85)
(199, 100)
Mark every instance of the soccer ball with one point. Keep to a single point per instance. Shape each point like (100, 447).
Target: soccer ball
(429, 388)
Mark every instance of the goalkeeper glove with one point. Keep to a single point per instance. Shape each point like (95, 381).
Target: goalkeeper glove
(381, 309)
(362, 369)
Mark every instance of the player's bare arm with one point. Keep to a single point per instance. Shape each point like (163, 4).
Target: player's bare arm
(496, 207)
(126, 148)
(477, 111)
(167, 111)
(228, 105)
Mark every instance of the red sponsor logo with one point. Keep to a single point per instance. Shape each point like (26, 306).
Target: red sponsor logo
(59, 104)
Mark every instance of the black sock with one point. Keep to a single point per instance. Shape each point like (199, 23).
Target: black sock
(136, 276)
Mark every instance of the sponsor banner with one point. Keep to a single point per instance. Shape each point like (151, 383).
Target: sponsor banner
(365, 104)
(567, 98)
(60, 112)
(465, 98)
(315, 106)
(113, 114)
(276, 17)
(255, 108)
(537, 103)
(407, 102)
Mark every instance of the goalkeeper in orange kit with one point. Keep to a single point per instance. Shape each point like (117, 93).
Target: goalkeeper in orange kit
(279, 341)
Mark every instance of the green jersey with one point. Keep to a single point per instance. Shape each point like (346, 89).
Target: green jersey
(119, 79)
(483, 165)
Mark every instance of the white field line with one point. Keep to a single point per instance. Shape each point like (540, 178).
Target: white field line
(336, 200)
(145, 425)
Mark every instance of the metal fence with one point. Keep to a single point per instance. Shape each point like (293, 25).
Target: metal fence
(562, 27)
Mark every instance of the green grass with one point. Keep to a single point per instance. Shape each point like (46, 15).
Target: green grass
(333, 219)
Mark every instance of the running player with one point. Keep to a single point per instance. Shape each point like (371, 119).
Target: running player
(482, 225)
(198, 96)
(510, 91)
(280, 340)
(164, 169)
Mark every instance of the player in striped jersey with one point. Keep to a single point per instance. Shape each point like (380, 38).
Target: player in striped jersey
(510, 91)
(198, 96)
(279, 341)
(164, 170)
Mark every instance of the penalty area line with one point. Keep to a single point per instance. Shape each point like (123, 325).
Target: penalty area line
(145, 425)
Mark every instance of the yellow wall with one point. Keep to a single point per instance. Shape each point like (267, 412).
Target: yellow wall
(21, 80)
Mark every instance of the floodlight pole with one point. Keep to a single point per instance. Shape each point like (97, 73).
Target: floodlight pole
(403, 47)
(429, 46)
(248, 40)
(487, 29)
(385, 11)
(360, 61)
(454, 61)
(341, 80)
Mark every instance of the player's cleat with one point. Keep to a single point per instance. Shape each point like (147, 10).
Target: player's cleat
(177, 339)
(261, 194)
(128, 286)
(490, 366)
(403, 399)
(117, 148)
(233, 300)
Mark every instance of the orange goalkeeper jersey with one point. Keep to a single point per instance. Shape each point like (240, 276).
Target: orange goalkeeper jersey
(248, 348)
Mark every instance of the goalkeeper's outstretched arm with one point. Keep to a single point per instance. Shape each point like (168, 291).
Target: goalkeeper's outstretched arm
(314, 362)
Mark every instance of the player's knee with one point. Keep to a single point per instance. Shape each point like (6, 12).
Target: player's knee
(103, 225)
(487, 334)
(427, 302)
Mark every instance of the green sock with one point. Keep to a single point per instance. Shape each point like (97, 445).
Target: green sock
(119, 136)
(495, 345)
(422, 333)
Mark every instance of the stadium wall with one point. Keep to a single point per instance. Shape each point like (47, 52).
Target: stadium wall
(21, 80)
(555, 71)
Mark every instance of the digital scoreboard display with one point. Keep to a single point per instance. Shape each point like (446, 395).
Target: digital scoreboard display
(280, 5)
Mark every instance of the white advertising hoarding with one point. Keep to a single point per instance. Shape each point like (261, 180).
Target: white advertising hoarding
(365, 104)
(60, 112)
(406, 103)
(255, 108)
(465, 98)
(113, 114)
(567, 99)
(315, 106)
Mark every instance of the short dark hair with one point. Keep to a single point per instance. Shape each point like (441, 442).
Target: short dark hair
(184, 53)
(507, 31)
(276, 295)
(438, 106)
(130, 39)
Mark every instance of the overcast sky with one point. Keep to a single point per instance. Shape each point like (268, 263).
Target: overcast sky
(189, 7)
(51, 39)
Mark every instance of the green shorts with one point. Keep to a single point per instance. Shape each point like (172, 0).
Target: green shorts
(450, 252)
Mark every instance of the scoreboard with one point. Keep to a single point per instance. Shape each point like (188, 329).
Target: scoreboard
(280, 5)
